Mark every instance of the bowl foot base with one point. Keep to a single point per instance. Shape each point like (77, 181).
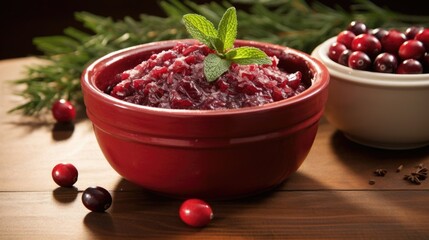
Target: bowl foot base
(260, 193)
(384, 145)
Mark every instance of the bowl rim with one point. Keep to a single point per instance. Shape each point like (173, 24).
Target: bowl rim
(322, 82)
(367, 77)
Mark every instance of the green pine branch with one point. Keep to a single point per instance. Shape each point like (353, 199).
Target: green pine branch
(292, 23)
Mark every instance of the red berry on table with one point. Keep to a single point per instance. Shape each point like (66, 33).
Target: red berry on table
(195, 213)
(423, 36)
(335, 50)
(96, 199)
(411, 49)
(385, 63)
(64, 174)
(63, 111)
(366, 43)
(392, 41)
(410, 66)
(359, 60)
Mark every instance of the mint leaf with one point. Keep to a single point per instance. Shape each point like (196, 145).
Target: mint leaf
(217, 45)
(227, 28)
(248, 55)
(222, 41)
(200, 28)
(215, 66)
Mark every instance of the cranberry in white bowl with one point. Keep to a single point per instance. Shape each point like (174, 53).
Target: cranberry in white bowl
(382, 50)
(382, 110)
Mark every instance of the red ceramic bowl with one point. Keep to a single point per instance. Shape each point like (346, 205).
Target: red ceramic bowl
(210, 154)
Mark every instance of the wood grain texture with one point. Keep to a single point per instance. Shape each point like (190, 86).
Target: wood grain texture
(328, 198)
(278, 215)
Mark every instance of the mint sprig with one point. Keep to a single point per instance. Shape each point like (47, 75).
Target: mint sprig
(222, 41)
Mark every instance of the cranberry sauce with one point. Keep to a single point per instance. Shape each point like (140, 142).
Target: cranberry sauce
(174, 79)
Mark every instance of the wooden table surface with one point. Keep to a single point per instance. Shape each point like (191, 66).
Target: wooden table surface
(328, 198)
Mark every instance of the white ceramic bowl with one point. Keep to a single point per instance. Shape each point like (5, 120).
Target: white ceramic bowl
(389, 111)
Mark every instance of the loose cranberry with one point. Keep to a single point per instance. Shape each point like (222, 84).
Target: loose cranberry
(411, 32)
(366, 43)
(359, 60)
(410, 66)
(357, 27)
(64, 174)
(96, 199)
(335, 50)
(195, 213)
(379, 33)
(423, 36)
(392, 41)
(411, 49)
(63, 111)
(385, 63)
(346, 37)
(344, 57)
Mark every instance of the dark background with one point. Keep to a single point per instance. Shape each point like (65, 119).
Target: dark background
(22, 20)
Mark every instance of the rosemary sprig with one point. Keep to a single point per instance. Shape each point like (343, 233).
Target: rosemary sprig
(69, 54)
(293, 23)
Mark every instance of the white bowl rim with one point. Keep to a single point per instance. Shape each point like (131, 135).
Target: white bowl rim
(366, 77)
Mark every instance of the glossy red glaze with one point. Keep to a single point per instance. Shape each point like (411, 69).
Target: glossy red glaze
(210, 154)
